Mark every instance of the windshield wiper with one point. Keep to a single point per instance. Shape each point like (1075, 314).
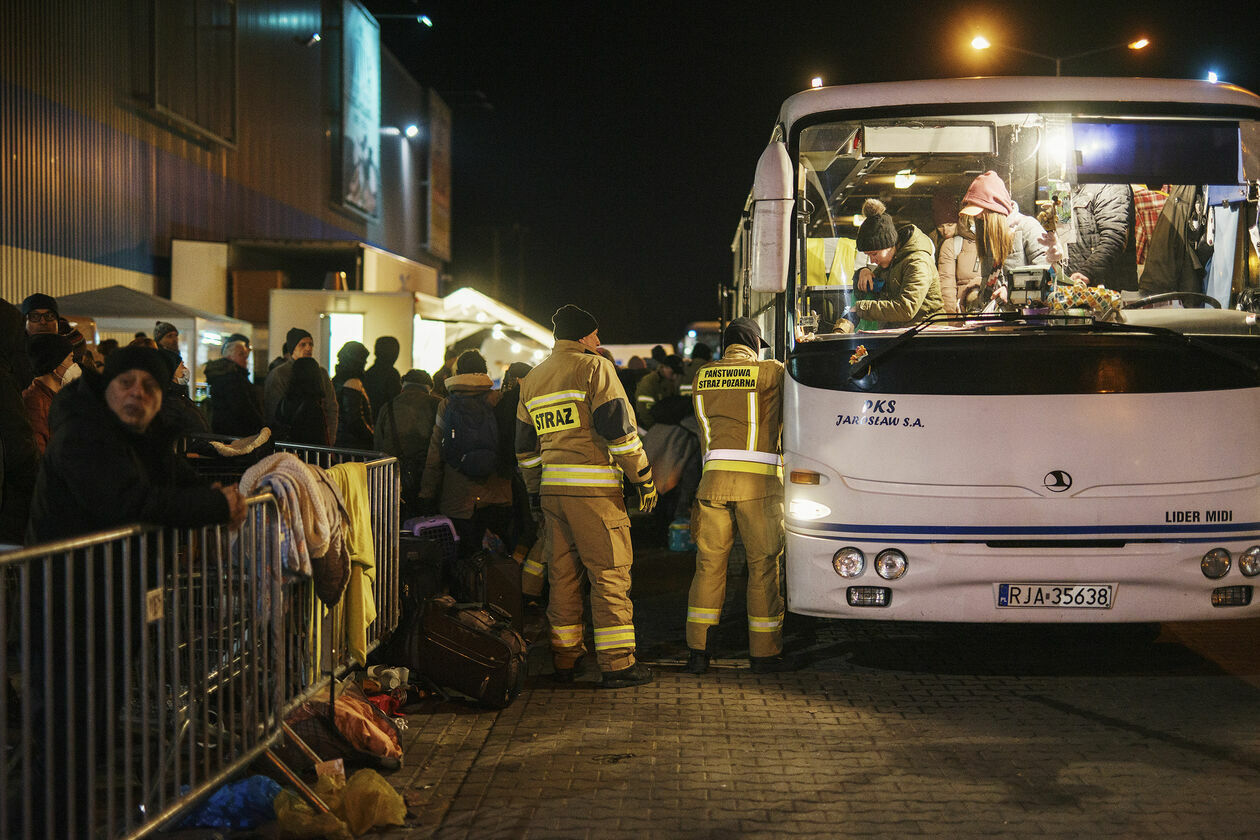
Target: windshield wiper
(863, 367)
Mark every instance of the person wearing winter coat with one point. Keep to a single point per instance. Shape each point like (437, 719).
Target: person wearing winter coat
(52, 360)
(298, 344)
(1000, 237)
(234, 408)
(404, 428)
(904, 262)
(178, 409)
(19, 461)
(108, 442)
(1105, 250)
(354, 429)
(300, 416)
(473, 504)
(382, 381)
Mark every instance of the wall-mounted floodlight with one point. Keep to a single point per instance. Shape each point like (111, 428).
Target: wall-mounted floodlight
(412, 130)
(391, 130)
(308, 40)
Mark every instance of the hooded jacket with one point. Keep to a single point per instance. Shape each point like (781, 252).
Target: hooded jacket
(382, 380)
(461, 496)
(98, 474)
(18, 459)
(912, 288)
(233, 405)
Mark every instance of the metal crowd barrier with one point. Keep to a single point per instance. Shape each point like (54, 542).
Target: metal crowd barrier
(144, 667)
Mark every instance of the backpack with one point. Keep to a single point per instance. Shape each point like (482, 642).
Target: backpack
(470, 435)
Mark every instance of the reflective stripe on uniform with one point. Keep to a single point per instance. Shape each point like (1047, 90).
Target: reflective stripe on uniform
(575, 475)
(566, 635)
(764, 624)
(752, 419)
(631, 445)
(703, 615)
(621, 636)
(706, 433)
(743, 467)
(743, 460)
(554, 397)
(534, 568)
(529, 461)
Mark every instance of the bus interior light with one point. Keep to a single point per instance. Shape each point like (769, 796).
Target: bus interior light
(890, 564)
(1231, 596)
(849, 562)
(868, 596)
(1215, 564)
(1249, 561)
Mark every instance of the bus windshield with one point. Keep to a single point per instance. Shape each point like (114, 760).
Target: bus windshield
(1102, 216)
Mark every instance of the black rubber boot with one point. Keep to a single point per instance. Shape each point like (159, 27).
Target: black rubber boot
(774, 664)
(697, 661)
(636, 674)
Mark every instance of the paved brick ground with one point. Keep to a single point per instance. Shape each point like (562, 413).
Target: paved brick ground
(915, 730)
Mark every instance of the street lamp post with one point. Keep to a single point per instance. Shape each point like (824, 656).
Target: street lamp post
(982, 43)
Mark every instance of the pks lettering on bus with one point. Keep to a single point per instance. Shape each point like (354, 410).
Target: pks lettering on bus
(879, 407)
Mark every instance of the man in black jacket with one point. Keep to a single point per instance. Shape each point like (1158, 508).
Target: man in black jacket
(1105, 250)
(234, 405)
(112, 462)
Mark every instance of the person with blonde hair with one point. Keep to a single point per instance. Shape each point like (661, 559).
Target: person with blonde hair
(1003, 238)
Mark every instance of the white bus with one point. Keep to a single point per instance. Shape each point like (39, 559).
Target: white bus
(1097, 460)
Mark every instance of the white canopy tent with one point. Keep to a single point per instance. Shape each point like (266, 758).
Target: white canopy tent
(119, 312)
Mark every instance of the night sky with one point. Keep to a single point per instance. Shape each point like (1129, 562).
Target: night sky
(609, 147)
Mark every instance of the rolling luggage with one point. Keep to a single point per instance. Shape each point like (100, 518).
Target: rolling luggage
(492, 579)
(470, 649)
(423, 569)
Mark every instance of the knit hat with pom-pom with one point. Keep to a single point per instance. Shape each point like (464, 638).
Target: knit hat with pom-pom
(877, 231)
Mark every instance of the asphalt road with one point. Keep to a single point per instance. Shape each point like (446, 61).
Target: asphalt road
(890, 730)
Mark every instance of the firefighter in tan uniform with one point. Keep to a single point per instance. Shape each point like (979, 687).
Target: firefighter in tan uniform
(575, 439)
(739, 405)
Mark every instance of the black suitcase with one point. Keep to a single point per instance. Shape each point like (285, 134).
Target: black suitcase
(471, 649)
(492, 579)
(422, 571)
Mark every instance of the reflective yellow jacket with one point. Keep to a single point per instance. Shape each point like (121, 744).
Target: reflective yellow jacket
(575, 432)
(739, 405)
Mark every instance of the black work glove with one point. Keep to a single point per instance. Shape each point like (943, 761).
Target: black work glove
(647, 496)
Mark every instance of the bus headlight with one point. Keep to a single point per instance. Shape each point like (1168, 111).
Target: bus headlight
(1249, 561)
(807, 511)
(849, 562)
(890, 564)
(1215, 564)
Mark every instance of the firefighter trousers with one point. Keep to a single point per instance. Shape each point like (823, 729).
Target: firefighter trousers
(760, 526)
(589, 538)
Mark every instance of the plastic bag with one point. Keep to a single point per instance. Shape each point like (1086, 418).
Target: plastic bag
(357, 806)
(237, 805)
(369, 801)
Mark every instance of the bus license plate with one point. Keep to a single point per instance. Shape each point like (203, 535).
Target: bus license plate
(1088, 596)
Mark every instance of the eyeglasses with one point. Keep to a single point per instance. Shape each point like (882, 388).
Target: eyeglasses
(46, 317)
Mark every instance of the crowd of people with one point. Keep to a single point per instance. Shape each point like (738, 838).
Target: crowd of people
(539, 466)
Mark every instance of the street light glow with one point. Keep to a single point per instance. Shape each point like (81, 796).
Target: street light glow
(425, 19)
(980, 43)
(1140, 43)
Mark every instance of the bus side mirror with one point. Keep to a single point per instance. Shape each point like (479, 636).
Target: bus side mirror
(771, 220)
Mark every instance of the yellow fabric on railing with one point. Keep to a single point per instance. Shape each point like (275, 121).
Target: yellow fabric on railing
(359, 600)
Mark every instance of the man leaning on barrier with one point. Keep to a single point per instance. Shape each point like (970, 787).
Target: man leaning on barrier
(111, 460)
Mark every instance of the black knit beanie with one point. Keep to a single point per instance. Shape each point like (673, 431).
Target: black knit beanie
(293, 336)
(572, 324)
(877, 231)
(137, 358)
